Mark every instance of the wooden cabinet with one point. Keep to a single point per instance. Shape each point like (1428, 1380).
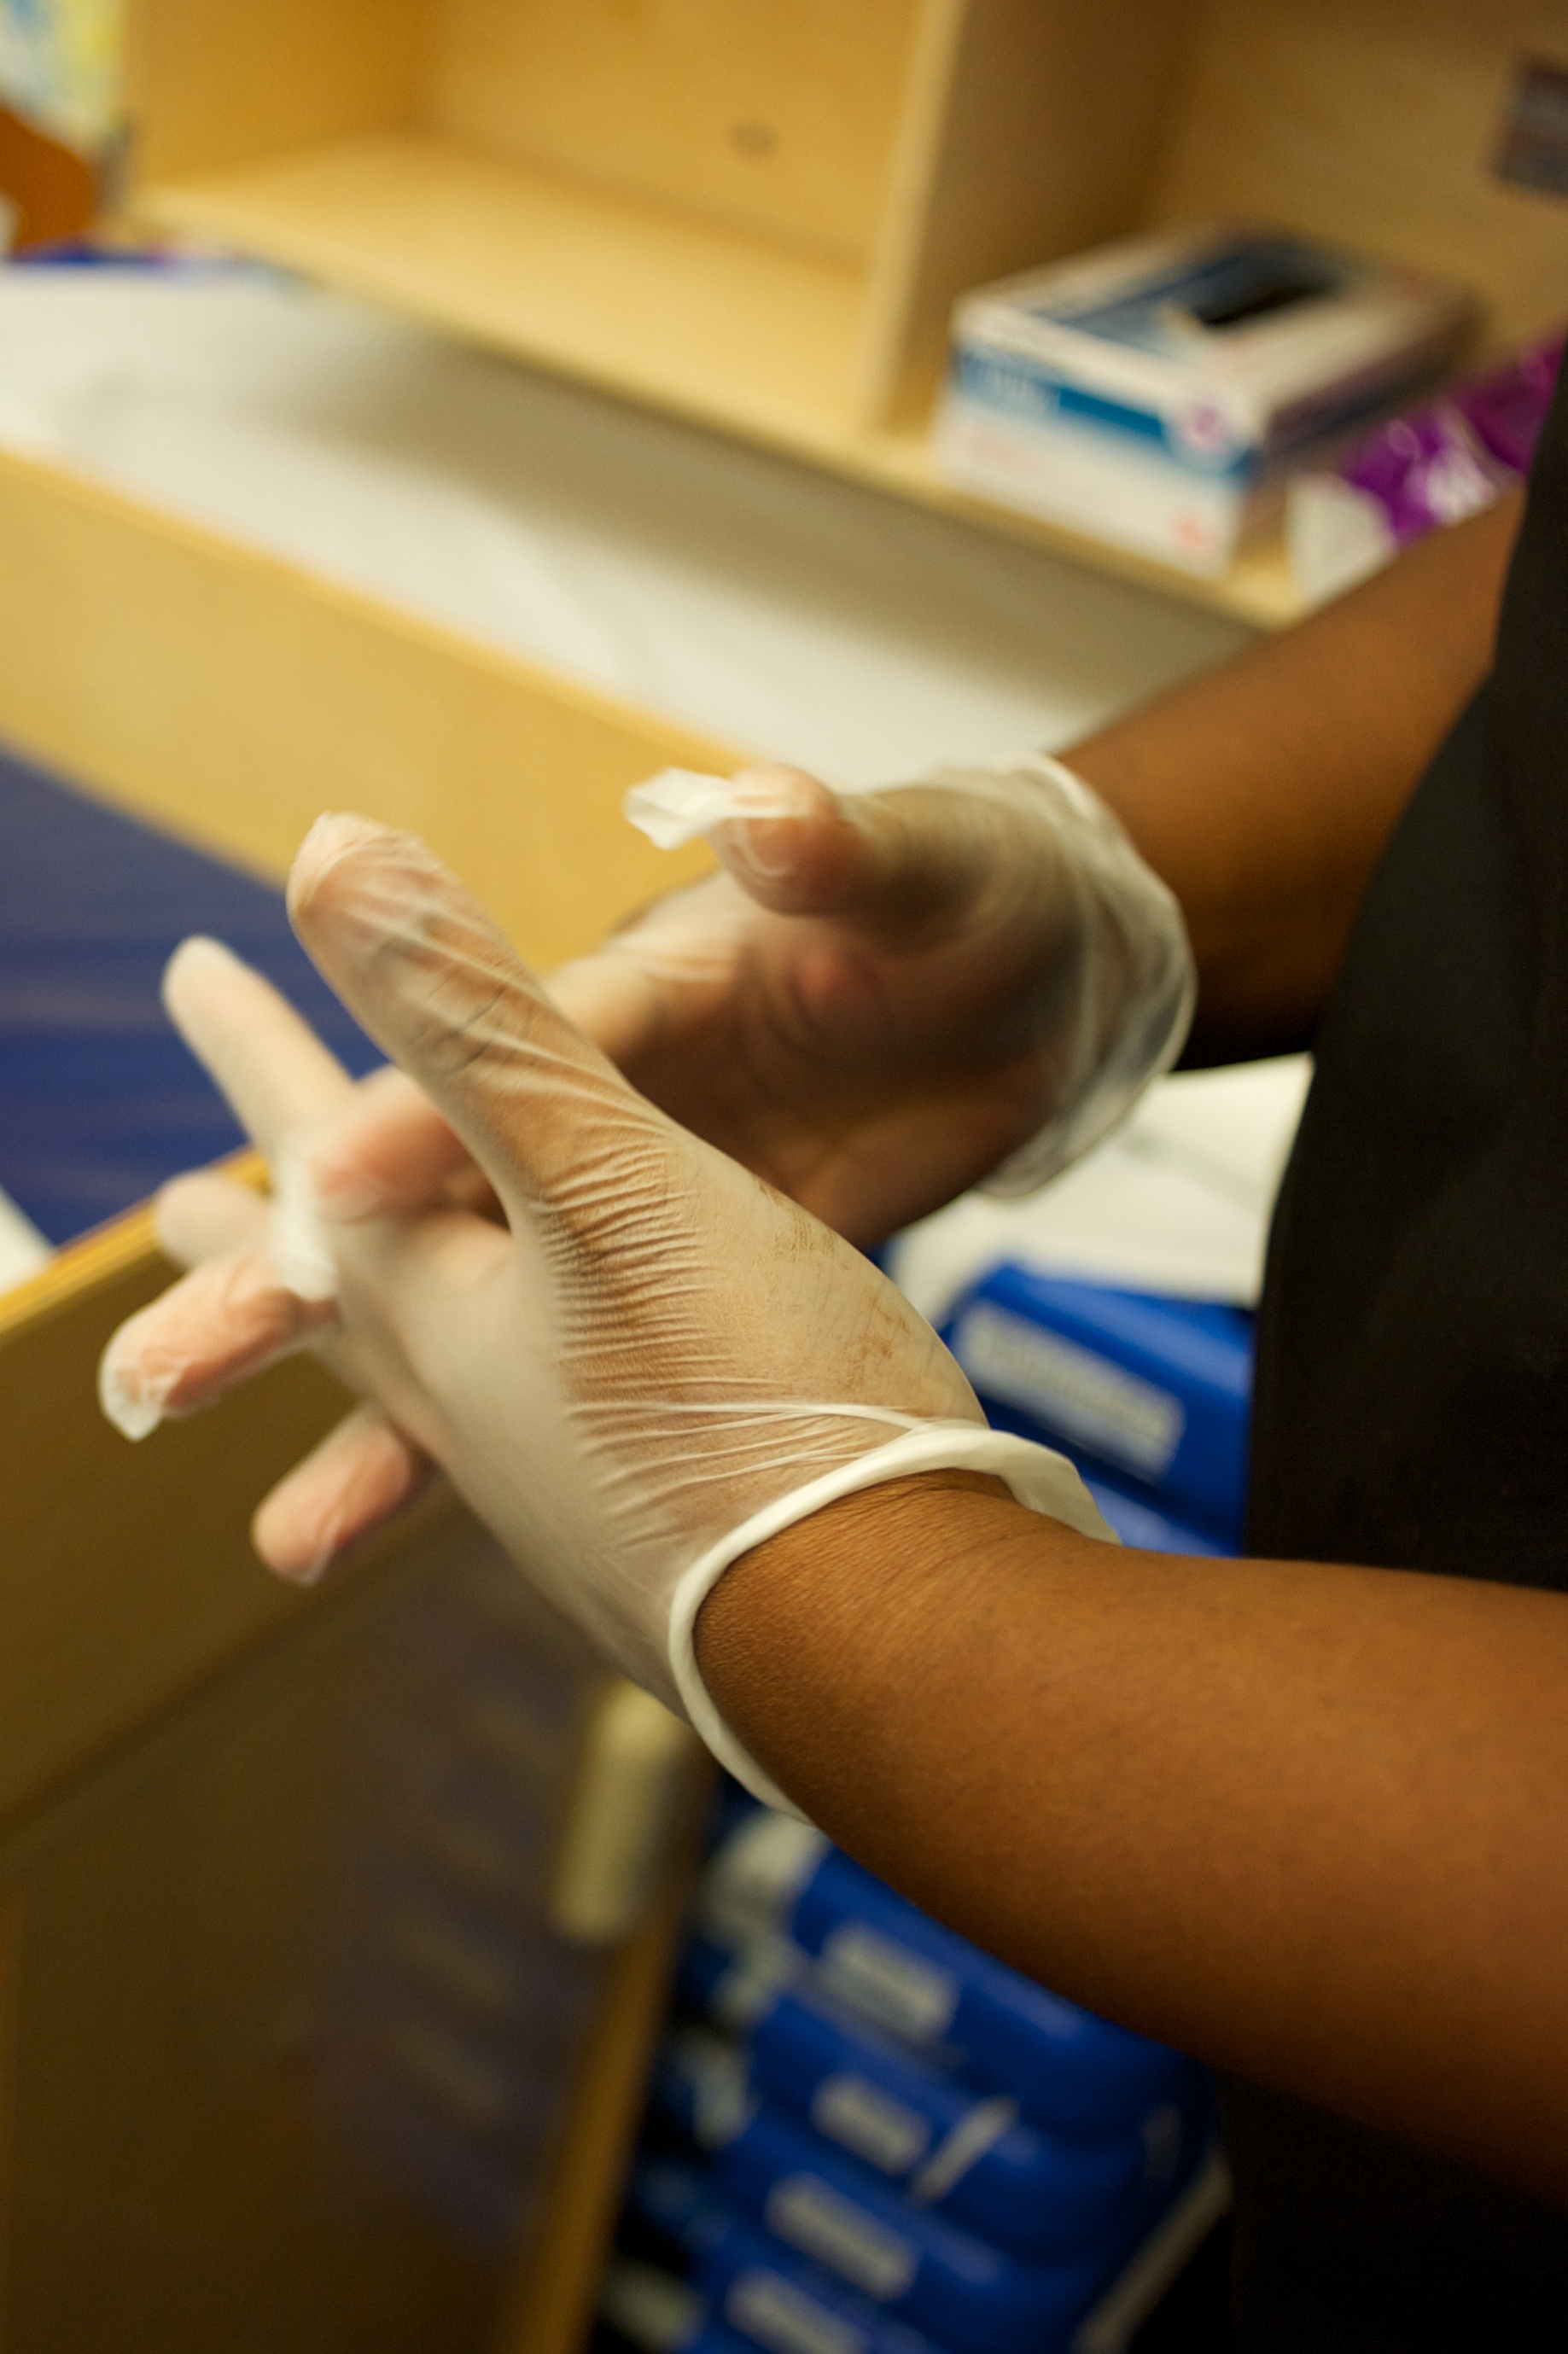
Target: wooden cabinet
(759, 216)
(334, 1927)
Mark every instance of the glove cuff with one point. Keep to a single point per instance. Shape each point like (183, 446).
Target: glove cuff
(1040, 1478)
(1136, 987)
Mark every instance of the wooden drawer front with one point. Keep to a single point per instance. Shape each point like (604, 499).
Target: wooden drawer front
(294, 2051)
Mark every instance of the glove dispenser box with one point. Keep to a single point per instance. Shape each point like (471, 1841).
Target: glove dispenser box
(335, 1928)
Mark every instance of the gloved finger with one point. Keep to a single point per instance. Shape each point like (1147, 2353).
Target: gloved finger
(271, 1066)
(205, 1216)
(363, 1473)
(214, 1328)
(416, 959)
(895, 863)
(388, 1153)
(612, 998)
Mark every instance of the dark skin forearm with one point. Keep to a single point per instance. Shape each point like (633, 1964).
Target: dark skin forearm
(1302, 1821)
(1305, 1822)
(1263, 792)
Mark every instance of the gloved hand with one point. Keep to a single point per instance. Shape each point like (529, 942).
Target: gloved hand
(888, 997)
(649, 1363)
(891, 996)
(884, 995)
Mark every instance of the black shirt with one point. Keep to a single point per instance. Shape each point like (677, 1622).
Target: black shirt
(1412, 1405)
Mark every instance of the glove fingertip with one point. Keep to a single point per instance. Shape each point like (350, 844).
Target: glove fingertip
(298, 1242)
(128, 1401)
(357, 889)
(362, 1475)
(335, 834)
(680, 805)
(823, 858)
(198, 966)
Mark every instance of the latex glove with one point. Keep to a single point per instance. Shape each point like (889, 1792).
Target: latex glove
(655, 1362)
(892, 996)
(888, 997)
(884, 995)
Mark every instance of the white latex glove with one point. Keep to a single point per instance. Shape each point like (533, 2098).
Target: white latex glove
(889, 996)
(967, 980)
(652, 1363)
(885, 995)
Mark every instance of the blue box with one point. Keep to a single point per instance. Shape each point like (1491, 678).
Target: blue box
(880, 1957)
(956, 2151)
(1155, 1389)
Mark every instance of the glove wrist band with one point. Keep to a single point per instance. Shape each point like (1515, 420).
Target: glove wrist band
(1038, 1477)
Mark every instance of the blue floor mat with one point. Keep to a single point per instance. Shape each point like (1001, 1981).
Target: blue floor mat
(100, 1102)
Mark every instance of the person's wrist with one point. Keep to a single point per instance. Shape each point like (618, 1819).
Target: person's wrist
(854, 1559)
(766, 1634)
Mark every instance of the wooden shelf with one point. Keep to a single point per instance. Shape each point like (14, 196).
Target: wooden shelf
(759, 220)
(729, 329)
(637, 298)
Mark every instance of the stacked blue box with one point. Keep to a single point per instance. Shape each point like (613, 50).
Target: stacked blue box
(874, 2138)
(777, 1887)
(1150, 1395)
(907, 2263)
(955, 2149)
(742, 2281)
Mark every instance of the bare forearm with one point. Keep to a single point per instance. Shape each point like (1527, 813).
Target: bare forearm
(1263, 792)
(1302, 1821)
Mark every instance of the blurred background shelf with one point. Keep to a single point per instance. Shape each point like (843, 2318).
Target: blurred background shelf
(759, 221)
(722, 328)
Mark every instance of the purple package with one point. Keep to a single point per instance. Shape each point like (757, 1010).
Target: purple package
(1423, 470)
(1507, 409)
(1410, 473)
(1442, 464)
